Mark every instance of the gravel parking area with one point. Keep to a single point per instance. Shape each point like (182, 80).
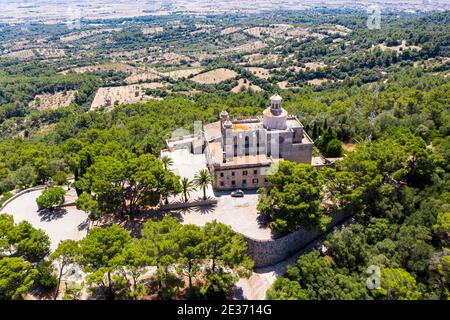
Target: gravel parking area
(238, 213)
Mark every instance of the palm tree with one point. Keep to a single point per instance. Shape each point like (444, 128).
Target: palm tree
(186, 186)
(166, 161)
(202, 180)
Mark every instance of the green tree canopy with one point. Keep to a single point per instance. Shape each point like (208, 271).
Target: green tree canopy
(98, 254)
(16, 278)
(51, 197)
(397, 284)
(294, 199)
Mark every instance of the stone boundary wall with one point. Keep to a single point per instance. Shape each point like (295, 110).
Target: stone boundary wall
(20, 193)
(269, 252)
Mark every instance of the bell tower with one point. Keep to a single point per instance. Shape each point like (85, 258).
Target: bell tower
(275, 117)
(275, 104)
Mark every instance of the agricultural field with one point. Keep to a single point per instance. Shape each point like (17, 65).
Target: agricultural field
(108, 97)
(259, 72)
(214, 76)
(146, 76)
(85, 34)
(182, 73)
(397, 48)
(120, 67)
(53, 101)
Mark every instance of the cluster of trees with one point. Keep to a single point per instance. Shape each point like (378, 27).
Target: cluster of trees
(25, 163)
(126, 183)
(121, 182)
(329, 144)
(353, 56)
(397, 191)
(20, 82)
(294, 198)
(169, 260)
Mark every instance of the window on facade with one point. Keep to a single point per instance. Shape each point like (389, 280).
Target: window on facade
(233, 183)
(221, 174)
(255, 181)
(244, 181)
(232, 173)
(255, 171)
(244, 173)
(222, 183)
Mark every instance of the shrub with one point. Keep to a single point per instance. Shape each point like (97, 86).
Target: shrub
(50, 198)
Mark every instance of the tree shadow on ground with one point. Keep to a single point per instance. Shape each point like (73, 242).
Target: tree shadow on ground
(49, 215)
(238, 293)
(208, 209)
(83, 226)
(41, 293)
(263, 221)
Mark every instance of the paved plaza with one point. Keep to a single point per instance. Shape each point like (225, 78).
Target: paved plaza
(61, 224)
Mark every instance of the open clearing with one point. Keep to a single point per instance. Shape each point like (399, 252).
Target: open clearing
(314, 65)
(318, 82)
(21, 54)
(152, 30)
(276, 31)
(349, 147)
(215, 76)
(245, 84)
(50, 53)
(45, 53)
(109, 96)
(285, 85)
(53, 101)
(261, 58)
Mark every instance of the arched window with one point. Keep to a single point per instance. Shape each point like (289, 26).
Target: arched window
(247, 145)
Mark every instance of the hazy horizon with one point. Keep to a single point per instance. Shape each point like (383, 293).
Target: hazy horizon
(54, 11)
